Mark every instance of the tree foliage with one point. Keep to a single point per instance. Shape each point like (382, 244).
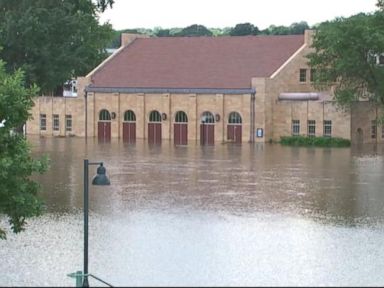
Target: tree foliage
(194, 30)
(346, 55)
(18, 193)
(102, 5)
(241, 29)
(296, 28)
(244, 29)
(380, 4)
(52, 40)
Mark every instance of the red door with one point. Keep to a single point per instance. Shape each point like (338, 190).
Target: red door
(154, 133)
(180, 133)
(129, 132)
(207, 134)
(104, 131)
(234, 132)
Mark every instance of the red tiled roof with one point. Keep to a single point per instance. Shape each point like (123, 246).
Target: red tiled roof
(196, 62)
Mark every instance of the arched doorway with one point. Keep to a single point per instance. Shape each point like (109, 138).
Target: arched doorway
(234, 127)
(129, 127)
(154, 127)
(180, 128)
(207, 129)
(104, 126)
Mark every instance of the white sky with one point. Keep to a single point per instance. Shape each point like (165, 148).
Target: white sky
(227, 13)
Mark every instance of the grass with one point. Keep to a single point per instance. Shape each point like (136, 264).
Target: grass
(315, 141)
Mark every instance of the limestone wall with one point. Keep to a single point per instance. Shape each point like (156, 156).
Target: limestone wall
(61, 106)
(363, 113)
(286, 80)
(194, 105)
(286, 111)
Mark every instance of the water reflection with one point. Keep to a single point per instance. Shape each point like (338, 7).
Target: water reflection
(195, 216)
(340, 184)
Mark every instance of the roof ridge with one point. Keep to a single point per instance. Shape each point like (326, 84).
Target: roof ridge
(219, 37)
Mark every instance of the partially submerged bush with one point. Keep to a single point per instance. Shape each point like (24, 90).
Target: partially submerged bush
(315, 141)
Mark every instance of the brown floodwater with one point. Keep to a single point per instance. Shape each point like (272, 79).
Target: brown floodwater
(224, 215)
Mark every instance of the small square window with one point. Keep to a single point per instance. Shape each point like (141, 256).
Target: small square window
(311, 127)
(327, 128)
(43, 122)
(295, 127)
(56, 123)
(68, 122)
(303, 75)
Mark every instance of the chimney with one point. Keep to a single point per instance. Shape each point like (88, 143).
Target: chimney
(128, 38)
(308, 37)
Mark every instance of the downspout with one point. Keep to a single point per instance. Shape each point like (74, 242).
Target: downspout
(170, 116)
(144, 116)
(197, 133)
(119, 116)
(52, 113)
(377, 130)
(65, 113)
(252, 114)
(222, 117)
(39, 114)
(86, 114)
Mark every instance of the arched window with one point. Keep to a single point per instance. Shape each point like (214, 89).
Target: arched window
(207, 117)
(234, 118)
(104, 115)
(181, 117)
(154, 116)
(129, 116)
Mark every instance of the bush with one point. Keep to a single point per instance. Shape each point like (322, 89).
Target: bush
(315, 141)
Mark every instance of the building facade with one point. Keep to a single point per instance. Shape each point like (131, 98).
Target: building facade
(205, 89)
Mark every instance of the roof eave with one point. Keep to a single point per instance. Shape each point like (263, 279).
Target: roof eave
(91, 88)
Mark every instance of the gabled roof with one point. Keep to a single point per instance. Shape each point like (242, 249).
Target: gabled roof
(196, 62)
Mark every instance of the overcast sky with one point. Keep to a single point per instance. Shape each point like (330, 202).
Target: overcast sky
(228, 13)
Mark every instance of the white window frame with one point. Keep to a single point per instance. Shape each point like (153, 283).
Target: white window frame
(295, 127)
(55, 122)
(311, 125)
(43, 122)
(303, 76)
(68, 122)
(327, 128)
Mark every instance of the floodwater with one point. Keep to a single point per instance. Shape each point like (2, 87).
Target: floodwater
(227, 215)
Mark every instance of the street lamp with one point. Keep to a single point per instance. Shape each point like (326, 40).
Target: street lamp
(100, 179)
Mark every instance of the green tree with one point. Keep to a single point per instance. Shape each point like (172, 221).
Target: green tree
(298, 28)
(103, 4)
(243, 29)
(163, 33)
(52, 40)
(18, 193)
(195, 30)
(347, 51)
(277, 30)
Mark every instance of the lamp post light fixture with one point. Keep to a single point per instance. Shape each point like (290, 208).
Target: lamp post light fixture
(100, 179)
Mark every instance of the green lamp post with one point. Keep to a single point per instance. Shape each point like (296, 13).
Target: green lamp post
(100, 179)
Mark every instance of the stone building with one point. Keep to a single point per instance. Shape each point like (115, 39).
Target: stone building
(205, 89)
